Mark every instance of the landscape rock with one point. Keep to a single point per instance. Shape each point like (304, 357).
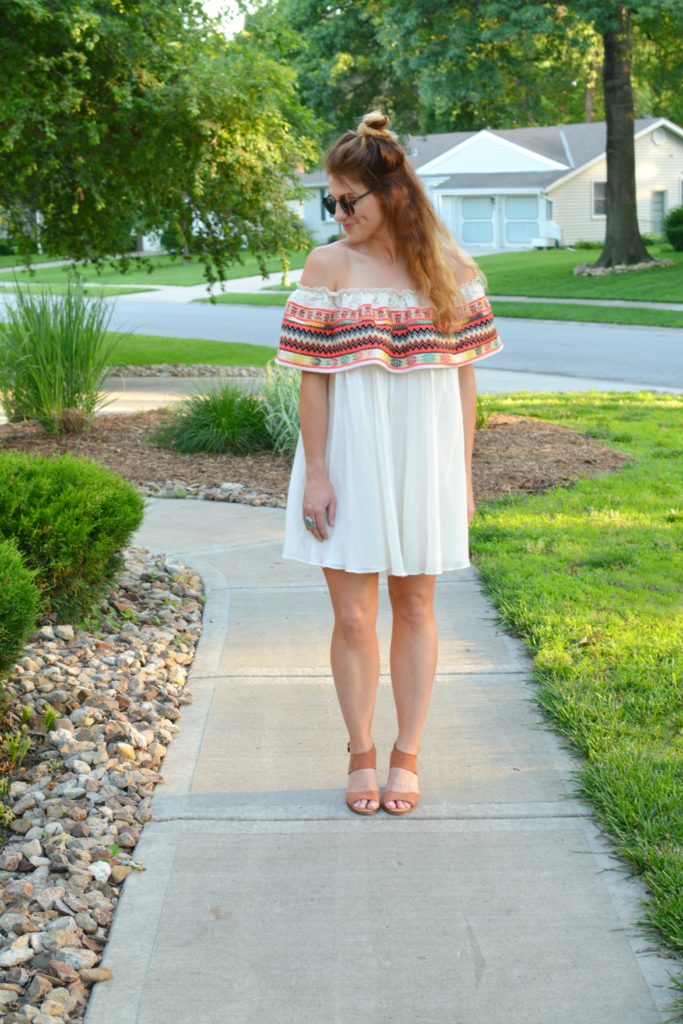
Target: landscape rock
(82, 798)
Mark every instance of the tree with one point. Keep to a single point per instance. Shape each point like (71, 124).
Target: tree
(623, 244)
(120, 117)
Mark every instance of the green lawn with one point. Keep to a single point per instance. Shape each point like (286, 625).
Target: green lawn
(14, 260)
(165, 271)
(591, 578)
(95, 290)
(589, 314)
(148, 349)
(526, 310)
(549, 273)
(265, 298)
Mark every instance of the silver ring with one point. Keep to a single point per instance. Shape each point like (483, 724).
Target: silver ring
(309, 522)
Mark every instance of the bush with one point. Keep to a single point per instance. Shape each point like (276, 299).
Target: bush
(673, 228)
(19, 604)
(69, 518)
(281, 399)
(581, 244)
(224, 420)
(54, 355)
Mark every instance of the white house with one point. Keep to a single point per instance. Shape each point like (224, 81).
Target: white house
(523, 187)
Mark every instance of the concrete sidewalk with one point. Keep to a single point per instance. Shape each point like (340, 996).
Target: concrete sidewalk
(264, 900)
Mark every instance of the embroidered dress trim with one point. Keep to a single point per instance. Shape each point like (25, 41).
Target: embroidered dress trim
(330, 331)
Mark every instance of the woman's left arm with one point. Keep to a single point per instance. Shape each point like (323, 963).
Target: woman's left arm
(468, 401)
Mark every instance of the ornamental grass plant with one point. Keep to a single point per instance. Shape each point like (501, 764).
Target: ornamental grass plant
(591, 578)
(223, 420)
(54, 356)
(281, 396)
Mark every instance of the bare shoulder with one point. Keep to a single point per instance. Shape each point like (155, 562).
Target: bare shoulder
(325, 266)
(462, 263)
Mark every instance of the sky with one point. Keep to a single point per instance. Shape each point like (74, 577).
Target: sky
(232, 23)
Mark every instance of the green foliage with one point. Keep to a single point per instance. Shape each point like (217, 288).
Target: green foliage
(54, 354)
(482, 414)
(138, 117)
(226, 419)
(673, 228)
(69, 518)
(281, 398)
(19, 604)
(591, 578)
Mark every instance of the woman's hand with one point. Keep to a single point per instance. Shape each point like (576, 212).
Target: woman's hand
(320, 502)
(470, 502)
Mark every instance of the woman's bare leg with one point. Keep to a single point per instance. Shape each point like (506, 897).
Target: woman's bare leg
(413, 655)
(354, 656)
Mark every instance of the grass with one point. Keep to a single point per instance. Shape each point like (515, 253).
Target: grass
(250, 298)
(165, 271)
(526, 310)
(148, 349)
(591, 577)
(14, 261)
(644, 317)
(62, 289)
(549, 273)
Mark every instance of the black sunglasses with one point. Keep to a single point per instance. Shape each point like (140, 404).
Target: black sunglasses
(349, 208)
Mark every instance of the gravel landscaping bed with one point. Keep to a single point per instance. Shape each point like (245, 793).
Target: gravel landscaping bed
(82, 794)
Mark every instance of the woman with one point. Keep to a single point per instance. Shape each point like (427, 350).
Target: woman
(381, 478)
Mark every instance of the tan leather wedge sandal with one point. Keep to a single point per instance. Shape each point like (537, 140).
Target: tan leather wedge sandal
(366, 759)
(399, 759)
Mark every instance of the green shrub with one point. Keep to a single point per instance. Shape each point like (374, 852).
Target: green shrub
(54, 355)
(673, 228)
(224, 420)
(281, 397)
(585, 244)
(19, 604)
(69, 517)
(482, 415)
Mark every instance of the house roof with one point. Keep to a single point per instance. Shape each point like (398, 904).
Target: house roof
(571, 145)
(585, 141)
(526, 180)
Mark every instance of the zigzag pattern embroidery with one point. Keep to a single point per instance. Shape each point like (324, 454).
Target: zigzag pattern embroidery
(401, 339)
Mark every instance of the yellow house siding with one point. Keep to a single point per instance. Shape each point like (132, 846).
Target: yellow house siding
(573, 206)
(659, 168)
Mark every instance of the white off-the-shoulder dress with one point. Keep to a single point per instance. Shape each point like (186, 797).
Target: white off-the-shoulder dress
(395, 456)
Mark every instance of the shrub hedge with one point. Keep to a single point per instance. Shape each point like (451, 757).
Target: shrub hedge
(19, 604)
(673, 228)
(69, 517)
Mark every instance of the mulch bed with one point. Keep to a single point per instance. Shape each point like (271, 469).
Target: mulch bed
(513, 455)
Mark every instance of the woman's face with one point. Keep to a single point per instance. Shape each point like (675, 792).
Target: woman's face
(368, 217)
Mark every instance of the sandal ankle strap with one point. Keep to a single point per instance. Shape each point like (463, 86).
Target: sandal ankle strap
(401, 759)
(366, 759)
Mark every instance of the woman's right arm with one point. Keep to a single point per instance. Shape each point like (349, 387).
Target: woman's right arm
(320, 501)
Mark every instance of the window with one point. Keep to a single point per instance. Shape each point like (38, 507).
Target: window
(324, 215)
(599, 198)
(658, 210)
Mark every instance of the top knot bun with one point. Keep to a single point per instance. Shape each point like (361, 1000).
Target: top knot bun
(376, 124)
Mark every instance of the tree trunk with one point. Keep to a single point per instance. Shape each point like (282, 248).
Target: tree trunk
(623, 244)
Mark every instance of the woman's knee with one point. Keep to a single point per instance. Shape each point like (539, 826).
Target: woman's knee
(414, 609)
(355, 620)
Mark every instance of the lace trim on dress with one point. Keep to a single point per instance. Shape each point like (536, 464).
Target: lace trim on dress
(354, 297)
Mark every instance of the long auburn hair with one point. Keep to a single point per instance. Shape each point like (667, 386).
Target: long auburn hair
(373, 154)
